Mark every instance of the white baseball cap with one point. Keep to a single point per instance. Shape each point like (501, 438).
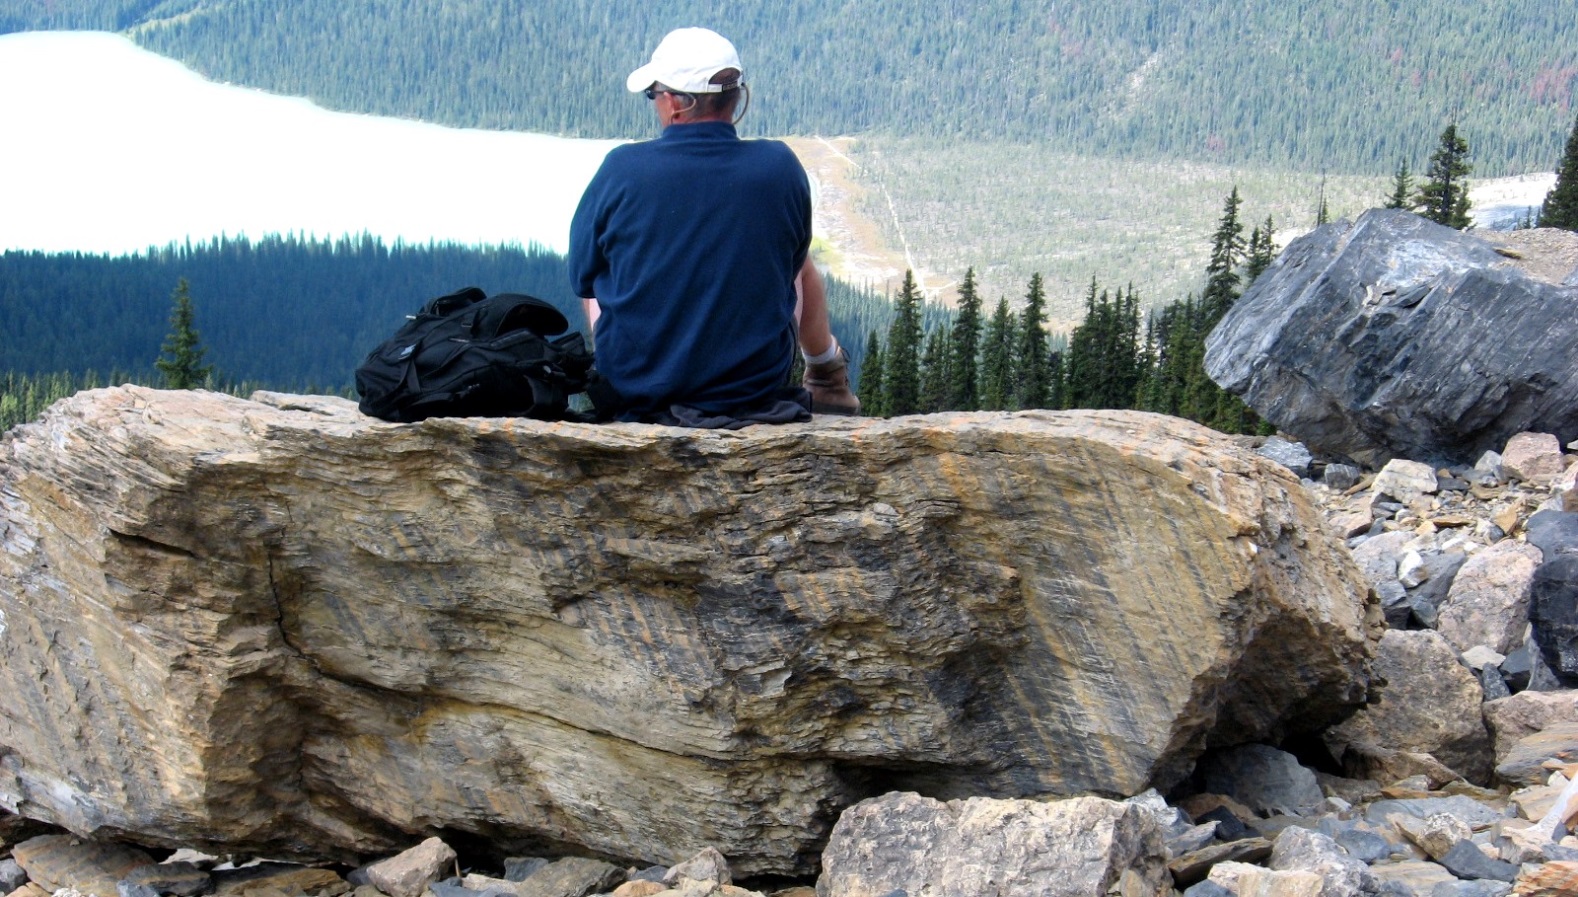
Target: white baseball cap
(686, 60)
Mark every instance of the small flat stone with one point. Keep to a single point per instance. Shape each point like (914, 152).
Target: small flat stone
(1525, 763)
(1476, 814)
(1418, 876)
(640, 888)
(1194, 867)
(257, 881)
(1364, 846)
(1558, 879)
(180, 879)
(1479, 888)
(572, 877)
(708, 865)
(1466, 860)
(1481, 656)
(65, 861)
(1405, 480)
(522, 868)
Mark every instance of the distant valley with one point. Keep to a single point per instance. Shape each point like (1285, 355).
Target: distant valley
(133, 150)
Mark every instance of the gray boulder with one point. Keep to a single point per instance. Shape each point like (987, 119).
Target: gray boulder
(11, 876)
(1301, 850)
(1554, 533)
(1262, 778)
(1430, 704)
(1292, 455)
(1488, 603)
(1392, 336)
(910, 844)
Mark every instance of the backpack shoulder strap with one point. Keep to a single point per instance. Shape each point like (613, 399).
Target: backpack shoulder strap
(508, 312)
(444, 306)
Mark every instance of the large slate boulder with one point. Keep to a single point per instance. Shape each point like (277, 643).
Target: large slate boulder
(1392, 336)
(279, 625)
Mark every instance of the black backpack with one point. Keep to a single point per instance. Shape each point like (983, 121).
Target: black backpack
(468, 355)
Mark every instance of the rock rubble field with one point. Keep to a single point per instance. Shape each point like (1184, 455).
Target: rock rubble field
(1459, 777)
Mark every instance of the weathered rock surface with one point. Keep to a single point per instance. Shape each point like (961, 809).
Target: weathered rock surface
(1488, 603)
(281, 625)
(409, 873)
(1263, 778)
(1430, 704)
(1396, 337)
(1082, 847)
(57, 861)
(1553, 591)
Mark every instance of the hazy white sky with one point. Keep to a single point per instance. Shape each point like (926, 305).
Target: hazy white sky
(105, 147)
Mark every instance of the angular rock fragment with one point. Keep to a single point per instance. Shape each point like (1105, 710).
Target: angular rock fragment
(54, 862)
(1488, 603)
(575, 877)
(1558, 879)
(1535, 458)
(1079, 846)
(1431, 704)
(1302, 850)
(1466, 860)
(408, 873)
(1553, 609)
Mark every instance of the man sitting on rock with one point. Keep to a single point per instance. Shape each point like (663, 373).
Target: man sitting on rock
(691, 254)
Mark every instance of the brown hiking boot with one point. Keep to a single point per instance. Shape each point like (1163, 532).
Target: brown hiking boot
(829, 386)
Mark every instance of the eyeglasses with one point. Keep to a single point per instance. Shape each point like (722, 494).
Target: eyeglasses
(652, 92)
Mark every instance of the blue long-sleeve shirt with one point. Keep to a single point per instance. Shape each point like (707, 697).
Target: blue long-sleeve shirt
(691, 244)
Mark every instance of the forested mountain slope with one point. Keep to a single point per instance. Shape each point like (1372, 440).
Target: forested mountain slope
(1336, 85)
(283, 312)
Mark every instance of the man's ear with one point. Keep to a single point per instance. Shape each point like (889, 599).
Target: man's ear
(667, 108)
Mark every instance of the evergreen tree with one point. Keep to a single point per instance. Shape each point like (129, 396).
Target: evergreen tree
(1146, 396)
(1080, 367)
(965, 347)
(1444, 197)
(1176, 382)
(1262, 251)
(1560, 208)
(1033, 388)
(1102, 364)
(1322, 213)
(997, 360)
(1221, 270)
(181, 360)
(1170, 333)
(871, 386)
(1057, 377)
(1402, 188)
(936, 373)
(901, 368)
